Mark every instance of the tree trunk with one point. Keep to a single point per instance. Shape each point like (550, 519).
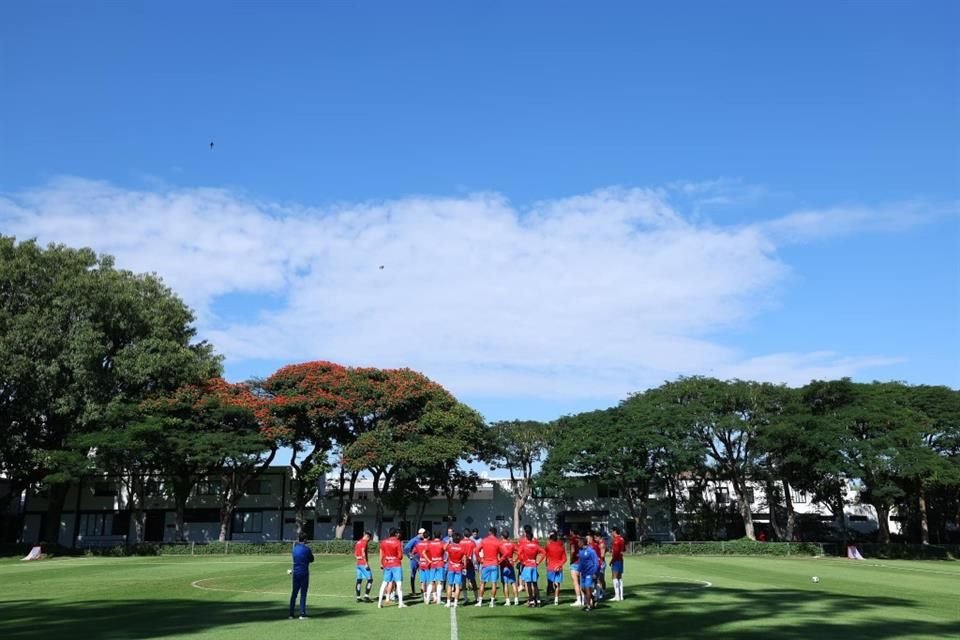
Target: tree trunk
(226, 515)
(345, 502)
(58, 495)
(672, 494)
(181, 491)
(740, 487)
(773, 507)
(922, 508)
(791, 514)
(883, 521)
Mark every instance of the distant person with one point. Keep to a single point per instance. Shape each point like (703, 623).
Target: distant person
(391, 561)
(618, 547)
(573, 540)
(363, 565)
(531, 555)
(469, 544)
(437, 566)
(302, 557)
(600, 547)
(422, 552)
(456, 559)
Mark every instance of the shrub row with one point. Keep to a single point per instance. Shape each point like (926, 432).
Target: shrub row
(742, 547)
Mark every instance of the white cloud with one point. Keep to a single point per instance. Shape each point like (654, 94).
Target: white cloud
(593, 295)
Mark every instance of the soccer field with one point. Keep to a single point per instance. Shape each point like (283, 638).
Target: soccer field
(667, 597)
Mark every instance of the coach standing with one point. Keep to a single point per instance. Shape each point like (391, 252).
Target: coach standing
(302, 557)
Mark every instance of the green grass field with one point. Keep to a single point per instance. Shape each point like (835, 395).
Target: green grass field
(667, 597)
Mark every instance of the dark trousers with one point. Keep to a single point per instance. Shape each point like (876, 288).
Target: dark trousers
(301, 584)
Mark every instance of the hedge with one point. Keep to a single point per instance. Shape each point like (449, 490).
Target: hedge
(741, 547)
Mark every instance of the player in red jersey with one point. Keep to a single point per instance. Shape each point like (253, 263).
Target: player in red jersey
(556, 557)
(600, 547)
(619, 546)
(508, 573)
(489, 566)
(437, 568)
(391, 561)
(530, 554)
(456, 561)
(469, 567)
(421, 550)
(363, 565)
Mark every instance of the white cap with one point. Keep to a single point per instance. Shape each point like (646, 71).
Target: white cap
(421, 530)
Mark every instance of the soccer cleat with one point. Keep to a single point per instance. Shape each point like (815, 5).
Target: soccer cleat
(479, 604)
(289, 617)
(493, 603)
(379, 604)
(447, 604)
(303, 617)
(401, 606)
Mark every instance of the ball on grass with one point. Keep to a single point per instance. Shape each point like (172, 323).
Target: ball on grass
(289, 572)
(815, 579)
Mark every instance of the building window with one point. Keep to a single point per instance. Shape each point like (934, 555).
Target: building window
(201, 515)
(501, 518)
(248, 522)
(260, 488)
(722, 495)
(209, 488)
(750, 496)
(607, 491)
(96, 524)
(104, 489)
(798, 497)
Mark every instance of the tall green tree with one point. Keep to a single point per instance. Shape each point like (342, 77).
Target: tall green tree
(519, 446)
(79, 337)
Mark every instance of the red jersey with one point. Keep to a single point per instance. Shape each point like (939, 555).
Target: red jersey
(421, 550)
(596, 547)
(529, 552)
(490, 550)
(360, 551)
(455, 557)
(469, 549)
(391, 553)
(507, 549)
(556, 555)
(436, 554)
(619, 546)
(574, 541)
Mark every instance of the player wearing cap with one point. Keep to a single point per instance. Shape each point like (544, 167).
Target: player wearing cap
(556, 557)
(409, 550)
(489, 566)
(619, 545)
(363, 565)
(391, 561)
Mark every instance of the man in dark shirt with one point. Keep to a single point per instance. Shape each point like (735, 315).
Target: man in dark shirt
(302, 557)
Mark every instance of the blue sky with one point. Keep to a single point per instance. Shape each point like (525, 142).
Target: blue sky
(570, 202)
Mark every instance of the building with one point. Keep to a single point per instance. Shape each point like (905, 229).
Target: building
(97, 512)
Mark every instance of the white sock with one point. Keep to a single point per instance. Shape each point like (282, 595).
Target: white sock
(399, 592)
(383, 587)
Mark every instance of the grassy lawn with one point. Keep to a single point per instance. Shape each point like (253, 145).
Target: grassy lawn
(667, 597)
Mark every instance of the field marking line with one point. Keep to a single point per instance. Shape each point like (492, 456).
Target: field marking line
(705, 584)
(196, 585)
(453, 623)
(919, 569)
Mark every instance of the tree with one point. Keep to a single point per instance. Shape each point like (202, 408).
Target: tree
(78, 338)
(519, 445)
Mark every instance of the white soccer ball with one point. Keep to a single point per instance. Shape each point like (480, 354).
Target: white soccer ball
(815, 579)
(289, 572)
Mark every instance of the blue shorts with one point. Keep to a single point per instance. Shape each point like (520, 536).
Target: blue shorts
(394, 574)
(454, 578)
(555, 577)
(530, 574)
(616, 566)
(414, 567)
(489, 574)
(509, 575)
(587, 581)
(438, 574)
(364, 573)
(575, 567)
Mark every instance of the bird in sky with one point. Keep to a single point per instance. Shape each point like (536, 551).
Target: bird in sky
(211, 146)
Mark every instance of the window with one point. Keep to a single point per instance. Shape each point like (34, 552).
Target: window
(201, 515)
(121, 523)
(859, 519)
(259, 488)
(607, 491)
(96, 524)
(798, 497)
(324, 519)
(501, 518)
(104, 489)
(722, 495)
(209, 488)
(750, 496)
(542, 493)
(247, 522)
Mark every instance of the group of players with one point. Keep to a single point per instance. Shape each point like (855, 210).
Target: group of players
(446, 565)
